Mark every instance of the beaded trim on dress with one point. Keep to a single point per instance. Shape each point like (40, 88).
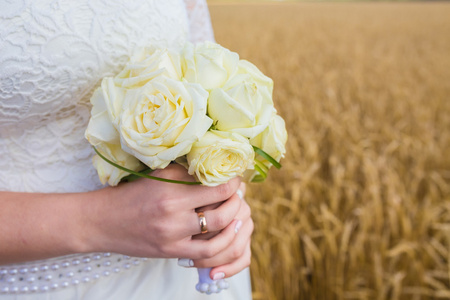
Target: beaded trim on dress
(52, 274)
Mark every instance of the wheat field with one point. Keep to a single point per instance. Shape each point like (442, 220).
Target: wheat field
(361, 207)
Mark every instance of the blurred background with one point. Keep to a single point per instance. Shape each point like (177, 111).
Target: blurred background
(361, 207)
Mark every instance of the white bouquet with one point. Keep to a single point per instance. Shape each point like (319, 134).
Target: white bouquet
(201, 107)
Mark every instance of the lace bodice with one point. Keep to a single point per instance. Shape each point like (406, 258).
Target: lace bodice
(52, 55)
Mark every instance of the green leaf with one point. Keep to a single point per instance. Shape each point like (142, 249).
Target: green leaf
(267, 157)
(143, 173)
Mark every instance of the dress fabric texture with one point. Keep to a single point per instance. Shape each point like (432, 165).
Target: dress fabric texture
(53, 53)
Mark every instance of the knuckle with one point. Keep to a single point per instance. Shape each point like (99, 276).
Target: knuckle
(221, 221)
(224, 190)
(247, 211)
(165, 206)
(247, 206)
(236, 253)
(173, 172)
(251, 224)
(169, 173)
(209, 252)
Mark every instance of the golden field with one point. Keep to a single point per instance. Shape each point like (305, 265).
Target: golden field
(361, 207)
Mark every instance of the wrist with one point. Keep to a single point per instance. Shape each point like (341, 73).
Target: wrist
(86, 228)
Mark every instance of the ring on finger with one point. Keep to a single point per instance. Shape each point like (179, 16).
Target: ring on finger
(202, 222)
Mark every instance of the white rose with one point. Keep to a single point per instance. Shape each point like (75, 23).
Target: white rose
(148, 63)
(102, 133)
(272, 141)
(209, 64)
(109, 173)
(162, 120)
(220, 156)
(244, 104)
(106, 107)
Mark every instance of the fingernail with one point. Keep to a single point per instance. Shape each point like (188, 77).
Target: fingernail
(218, 276)
(240, 194)
(238, 226)
(185, 262)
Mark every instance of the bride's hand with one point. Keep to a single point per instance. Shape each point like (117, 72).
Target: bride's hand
(150, 218)
(237, 255)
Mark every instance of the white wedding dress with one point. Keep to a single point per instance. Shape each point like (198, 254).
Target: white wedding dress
(53, 53)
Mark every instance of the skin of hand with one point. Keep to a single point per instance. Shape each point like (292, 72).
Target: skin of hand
(145, 218)
(156, 219)
(237, 256)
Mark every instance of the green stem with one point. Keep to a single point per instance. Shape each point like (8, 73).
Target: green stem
(141, 174)
(267, 157)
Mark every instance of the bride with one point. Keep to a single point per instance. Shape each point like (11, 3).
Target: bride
(61, 230)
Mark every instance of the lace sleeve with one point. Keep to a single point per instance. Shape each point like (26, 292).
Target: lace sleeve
(200, 26)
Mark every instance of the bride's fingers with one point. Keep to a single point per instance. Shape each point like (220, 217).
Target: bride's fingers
(173, 172)
(232, 253)
(233, 268)
(202, 249)
(206, 195)
(240, 193)
(193, 196)
(216, 219)
(234, 250)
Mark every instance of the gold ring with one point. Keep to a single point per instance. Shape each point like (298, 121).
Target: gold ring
(202, 221)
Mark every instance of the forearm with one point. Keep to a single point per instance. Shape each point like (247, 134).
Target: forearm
(142, 218)
(37, 226)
